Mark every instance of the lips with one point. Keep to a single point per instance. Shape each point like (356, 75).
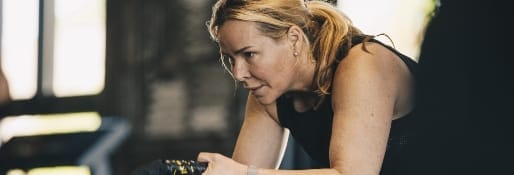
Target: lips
(255, 90)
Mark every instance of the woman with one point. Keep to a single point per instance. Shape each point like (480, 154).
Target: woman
(345, 97)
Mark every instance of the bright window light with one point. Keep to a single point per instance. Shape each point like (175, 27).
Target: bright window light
(79, 50)
(402, 20)
(19, 46)
(28, 125)
(16, 172)
(58, 170)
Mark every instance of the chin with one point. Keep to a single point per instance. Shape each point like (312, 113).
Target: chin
(265, 99)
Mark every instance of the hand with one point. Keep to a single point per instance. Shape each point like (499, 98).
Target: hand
(221, 165)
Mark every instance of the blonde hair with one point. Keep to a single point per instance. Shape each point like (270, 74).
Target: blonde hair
(326, 28)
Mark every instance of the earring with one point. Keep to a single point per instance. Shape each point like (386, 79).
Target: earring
(295, 53)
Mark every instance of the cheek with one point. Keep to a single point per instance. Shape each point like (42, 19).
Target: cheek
(282, 62)
(264, 73)
(285, 65)
(276, 75)
(277, 65)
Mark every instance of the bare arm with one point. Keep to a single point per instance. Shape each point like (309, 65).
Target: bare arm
(260, 138)
(364, 97)
(258, 144)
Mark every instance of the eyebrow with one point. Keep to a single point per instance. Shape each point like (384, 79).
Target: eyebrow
(238, 51)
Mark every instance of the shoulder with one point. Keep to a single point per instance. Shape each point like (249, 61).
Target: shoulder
(374, 68)
(368, 58)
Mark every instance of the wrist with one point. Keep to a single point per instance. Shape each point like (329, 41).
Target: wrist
(251, 170)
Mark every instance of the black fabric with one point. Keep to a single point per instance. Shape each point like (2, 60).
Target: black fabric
(312, 129)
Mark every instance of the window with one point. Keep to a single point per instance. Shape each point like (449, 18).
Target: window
(53, 47)
(79, 47)
(19, 41)
(53, 56)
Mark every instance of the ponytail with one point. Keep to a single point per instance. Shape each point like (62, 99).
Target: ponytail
(331, 31)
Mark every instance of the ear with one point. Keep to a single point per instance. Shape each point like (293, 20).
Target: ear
(295, 38)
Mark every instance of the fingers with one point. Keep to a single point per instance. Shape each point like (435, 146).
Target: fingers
(207, 157)
(220, 164)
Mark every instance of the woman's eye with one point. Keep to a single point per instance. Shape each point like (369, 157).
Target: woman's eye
(249, 54)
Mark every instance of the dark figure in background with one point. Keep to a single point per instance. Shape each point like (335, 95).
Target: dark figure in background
(465, 90)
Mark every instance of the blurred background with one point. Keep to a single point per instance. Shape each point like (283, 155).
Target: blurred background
(104, 86)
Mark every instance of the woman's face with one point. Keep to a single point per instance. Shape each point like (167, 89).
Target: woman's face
(266, 67)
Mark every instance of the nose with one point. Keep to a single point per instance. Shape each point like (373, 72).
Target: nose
(240, 71)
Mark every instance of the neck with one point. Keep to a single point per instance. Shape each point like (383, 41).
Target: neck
(305, 75)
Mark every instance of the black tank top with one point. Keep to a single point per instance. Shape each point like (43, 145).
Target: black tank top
(312, 129)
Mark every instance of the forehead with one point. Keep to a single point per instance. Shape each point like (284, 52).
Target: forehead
(234, 23)
(235, 33)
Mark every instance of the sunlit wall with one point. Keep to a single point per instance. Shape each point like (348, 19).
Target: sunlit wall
(403, 20)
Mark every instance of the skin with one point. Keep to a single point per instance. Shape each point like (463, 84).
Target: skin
(369, 91)
(4, 89)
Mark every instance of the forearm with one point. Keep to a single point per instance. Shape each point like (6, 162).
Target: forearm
(297, 172)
